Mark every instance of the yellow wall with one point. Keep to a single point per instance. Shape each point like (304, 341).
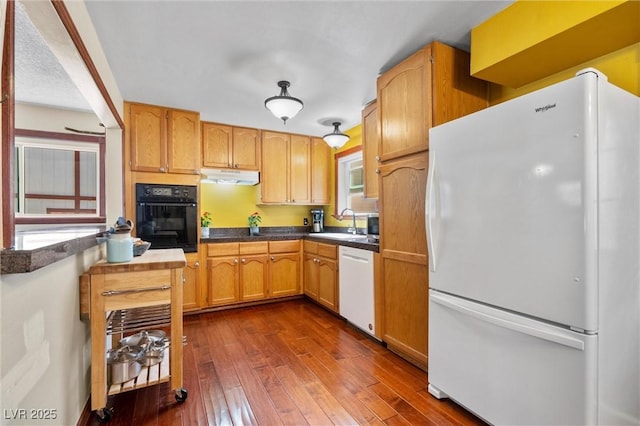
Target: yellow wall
(230, 205)
(531, 40)
(621, 67)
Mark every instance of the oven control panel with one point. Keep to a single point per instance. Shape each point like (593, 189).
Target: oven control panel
(154, 192)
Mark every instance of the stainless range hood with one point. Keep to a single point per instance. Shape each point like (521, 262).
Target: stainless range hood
(230, 176)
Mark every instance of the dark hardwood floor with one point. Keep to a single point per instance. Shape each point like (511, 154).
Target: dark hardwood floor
(286, 363)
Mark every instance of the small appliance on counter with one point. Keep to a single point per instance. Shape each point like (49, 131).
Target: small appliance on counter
(317, 220)
(373, 228)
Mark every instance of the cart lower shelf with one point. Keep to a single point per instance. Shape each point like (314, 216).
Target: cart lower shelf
(148, 376)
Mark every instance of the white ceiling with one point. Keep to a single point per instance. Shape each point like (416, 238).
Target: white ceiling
(223, 58)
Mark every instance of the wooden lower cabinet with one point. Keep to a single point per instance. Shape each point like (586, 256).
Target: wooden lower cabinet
(284, 268)
(253, 277)
(245, 272)
(191, 288)
(321, 273)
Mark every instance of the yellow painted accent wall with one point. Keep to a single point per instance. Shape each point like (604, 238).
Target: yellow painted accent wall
(531, 40)
(621, 67)
(230, 205)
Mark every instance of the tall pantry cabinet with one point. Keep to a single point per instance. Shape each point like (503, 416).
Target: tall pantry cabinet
(428, 88)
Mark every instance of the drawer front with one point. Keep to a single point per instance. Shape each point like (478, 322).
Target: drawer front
(137, 280)
(223, 249)
(284, 246)
(328, 250)
(259, 247)
(136, 289)
(310, 247)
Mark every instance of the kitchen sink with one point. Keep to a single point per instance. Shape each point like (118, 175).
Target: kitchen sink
(341, 236)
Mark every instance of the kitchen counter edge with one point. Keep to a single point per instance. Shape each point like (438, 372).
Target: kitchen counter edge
(375, 247)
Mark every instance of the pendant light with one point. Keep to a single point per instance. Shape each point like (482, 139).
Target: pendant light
(283, 106)
(336, 138)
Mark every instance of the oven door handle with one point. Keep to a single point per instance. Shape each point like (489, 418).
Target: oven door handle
(160, 204)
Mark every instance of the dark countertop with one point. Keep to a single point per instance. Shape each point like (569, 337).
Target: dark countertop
(35, 249)
(233, 235)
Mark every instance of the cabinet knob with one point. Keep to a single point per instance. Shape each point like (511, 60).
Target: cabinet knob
(273, 258)
(236, 166)
(244, 260)
(378, 171)
(196, 265)
(377, 158)
(162, 169)
(235, 260)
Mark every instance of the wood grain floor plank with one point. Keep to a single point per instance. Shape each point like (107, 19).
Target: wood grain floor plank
(286, 407)
(312, 413)
(335, 385)
(216, 409)
(256, 394)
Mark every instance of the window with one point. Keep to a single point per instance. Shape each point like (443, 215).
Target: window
(58, 177)
(350, 184)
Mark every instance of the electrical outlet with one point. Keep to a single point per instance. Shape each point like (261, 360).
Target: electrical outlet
(305, 221)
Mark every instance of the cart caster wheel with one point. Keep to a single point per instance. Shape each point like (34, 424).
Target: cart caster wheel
(181, 395)
(104, 415)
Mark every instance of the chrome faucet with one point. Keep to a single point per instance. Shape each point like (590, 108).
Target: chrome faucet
(353, 230)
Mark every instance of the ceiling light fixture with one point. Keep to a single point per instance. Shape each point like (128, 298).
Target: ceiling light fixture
(336, 138)
(283, 106)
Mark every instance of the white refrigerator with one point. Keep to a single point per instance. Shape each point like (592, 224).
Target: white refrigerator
(533, 234)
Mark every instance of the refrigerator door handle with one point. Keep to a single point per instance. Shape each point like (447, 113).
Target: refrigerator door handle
(431, 209)
(452, 303)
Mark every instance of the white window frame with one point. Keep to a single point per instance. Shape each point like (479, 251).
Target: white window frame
(22, 142)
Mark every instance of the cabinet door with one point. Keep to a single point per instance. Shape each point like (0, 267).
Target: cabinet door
(216, 145)
(404, 260)
(370, 150)
(310, 281)
(191, 288)
(147, 133)
(223, 280)
(246, 149)
(320, 171)
(299, 175)
(328, 283)
(284, 274)
(183, 142)
(403, 102)
(275, 167)
(253, 277)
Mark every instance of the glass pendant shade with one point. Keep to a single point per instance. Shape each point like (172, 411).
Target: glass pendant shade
(283, 106)
(336, 138)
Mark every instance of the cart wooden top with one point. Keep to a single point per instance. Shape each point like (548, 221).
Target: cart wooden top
(151, 259)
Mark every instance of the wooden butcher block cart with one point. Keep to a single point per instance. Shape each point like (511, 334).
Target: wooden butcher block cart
(121, 299)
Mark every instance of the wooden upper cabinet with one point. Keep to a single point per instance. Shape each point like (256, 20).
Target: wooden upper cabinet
(216, 145)
(320, 171)
(164, 140)
(299, 169)
(230, 147)
(404, 110)
(246, 148)
(148, 138)
(370, 149)
(295, 169)
(275, 170)
(430, 87)
(183, 142)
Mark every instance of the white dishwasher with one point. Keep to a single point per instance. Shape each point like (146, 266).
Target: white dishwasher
(356, 287)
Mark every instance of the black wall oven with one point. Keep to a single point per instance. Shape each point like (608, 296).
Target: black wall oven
(167, 216)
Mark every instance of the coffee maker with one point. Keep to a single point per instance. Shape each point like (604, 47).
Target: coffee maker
(317, 220)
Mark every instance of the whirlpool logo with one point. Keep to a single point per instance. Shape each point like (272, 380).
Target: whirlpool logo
(545, 108)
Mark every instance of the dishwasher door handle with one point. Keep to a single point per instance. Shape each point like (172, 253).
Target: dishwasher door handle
(356, 258)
